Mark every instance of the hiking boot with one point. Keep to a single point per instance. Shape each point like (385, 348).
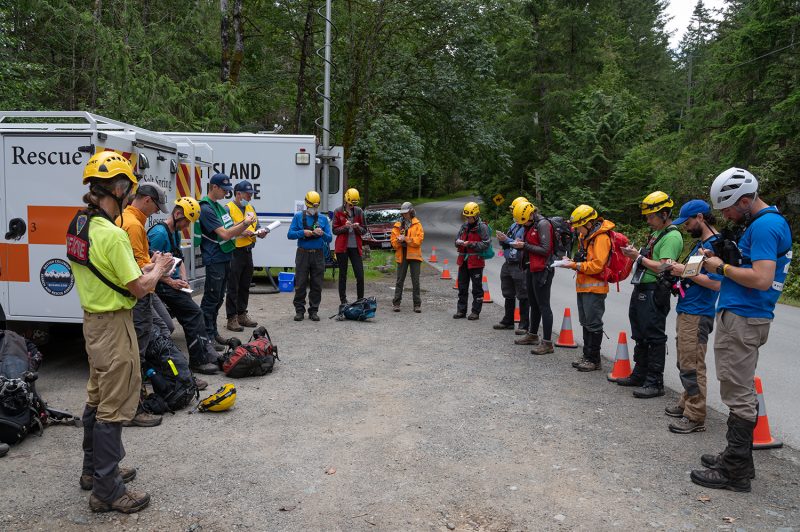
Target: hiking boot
(130, 502)
(674, 411)
(544, 348)
(299, 316)
(417, 309)
(579, 361)
(201, 384)
(459, 315)
(631, 381)
(711, 461)
(245, 321)
(233, 325)
(396, 308)
(648, 392)
(127, 474)
(221, 340)
(473, 316)
(588, 365)
(313, 316)
(143, 419)
(716, 479)
(4, 447)
(206, 369)
(503, 326)
(686, 426)
(520, 331)
(529, 339)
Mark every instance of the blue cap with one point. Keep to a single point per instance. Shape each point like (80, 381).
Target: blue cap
(222, 181)
(692, 208)
(244, 186)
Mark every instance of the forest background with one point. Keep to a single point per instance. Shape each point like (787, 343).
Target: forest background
(564, 101)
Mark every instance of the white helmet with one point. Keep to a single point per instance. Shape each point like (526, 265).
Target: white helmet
(731, 185)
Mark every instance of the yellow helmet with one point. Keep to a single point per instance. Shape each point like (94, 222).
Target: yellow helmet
(655, 202)
(352, 196)
(471, 209)
(521, 199)
(108, 165)
(582, 215)
(312, 198)
(190, 206)
(220, 401)
(523, 212)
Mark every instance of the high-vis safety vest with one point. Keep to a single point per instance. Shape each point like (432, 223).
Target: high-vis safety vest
(238, 215)
(227, 246)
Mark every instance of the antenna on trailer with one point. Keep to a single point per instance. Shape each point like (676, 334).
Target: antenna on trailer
(325, 156)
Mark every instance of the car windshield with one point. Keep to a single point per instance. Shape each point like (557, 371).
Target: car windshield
(382, 217)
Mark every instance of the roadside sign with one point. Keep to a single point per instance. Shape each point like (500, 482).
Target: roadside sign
(498, 199)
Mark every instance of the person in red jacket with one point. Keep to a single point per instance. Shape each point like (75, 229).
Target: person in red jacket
(473, 238)
(348, 226)
(538, 250)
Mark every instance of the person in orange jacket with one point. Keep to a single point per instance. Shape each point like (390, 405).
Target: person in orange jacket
(594, 248)
(407, 237)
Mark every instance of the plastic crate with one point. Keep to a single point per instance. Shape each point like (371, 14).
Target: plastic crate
(286, 281)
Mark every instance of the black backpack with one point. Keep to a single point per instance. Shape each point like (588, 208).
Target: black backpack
(168, 371)
(359, 310)
(22, 411)
(563, 237)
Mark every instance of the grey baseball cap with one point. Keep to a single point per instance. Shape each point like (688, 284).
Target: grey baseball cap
(405, 207)
(157, 193)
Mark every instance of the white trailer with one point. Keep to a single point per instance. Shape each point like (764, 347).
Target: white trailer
(41, 164)
(282, 168)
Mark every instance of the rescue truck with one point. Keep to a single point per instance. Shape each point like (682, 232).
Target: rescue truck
(42, 160)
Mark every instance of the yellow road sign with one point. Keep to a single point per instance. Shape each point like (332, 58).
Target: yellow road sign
(498, 199)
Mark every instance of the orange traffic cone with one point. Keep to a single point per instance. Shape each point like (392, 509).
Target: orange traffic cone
(762, 439)
(445, 271)
(516, 314)
(622, 363)
(455, 286)
(487, 297)
(433, 255)
(565, 338)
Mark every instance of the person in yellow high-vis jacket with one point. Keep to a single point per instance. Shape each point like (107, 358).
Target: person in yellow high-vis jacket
(238, 294)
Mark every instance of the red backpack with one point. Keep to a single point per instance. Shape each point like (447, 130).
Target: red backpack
(619, 266)
(253, 359)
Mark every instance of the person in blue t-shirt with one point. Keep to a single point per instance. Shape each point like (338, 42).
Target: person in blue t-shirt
(695, 321)
(753, 276)
(312, 231)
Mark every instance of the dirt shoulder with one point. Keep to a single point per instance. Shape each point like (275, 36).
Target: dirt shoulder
(410, 422)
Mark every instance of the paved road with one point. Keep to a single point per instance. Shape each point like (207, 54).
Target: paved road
(778, 366)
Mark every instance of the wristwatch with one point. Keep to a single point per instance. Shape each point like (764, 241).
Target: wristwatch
(639, 260)
(721, 269)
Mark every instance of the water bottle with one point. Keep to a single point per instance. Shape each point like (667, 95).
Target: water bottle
(160, 385)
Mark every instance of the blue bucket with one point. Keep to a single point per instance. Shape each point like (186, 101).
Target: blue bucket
(286, 281)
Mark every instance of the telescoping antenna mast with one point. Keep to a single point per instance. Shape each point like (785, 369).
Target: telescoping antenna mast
(326, 111)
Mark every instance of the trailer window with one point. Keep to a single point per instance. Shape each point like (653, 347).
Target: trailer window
(333, 180)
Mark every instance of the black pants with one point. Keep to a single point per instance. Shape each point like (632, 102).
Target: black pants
(539, 285)
(238, 293)
(143, 323)
(102, 453)
(309, 269)
(191, 319)
(402, 269)
(648, 330)
(513, 287)
(465, 276)
(214, 294)
(358, 270)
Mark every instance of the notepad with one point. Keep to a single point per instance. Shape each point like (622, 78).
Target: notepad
(693, 265)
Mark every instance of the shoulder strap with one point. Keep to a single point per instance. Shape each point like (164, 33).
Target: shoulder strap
(107, 282)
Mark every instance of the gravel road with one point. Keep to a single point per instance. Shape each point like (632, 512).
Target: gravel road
(411, 422)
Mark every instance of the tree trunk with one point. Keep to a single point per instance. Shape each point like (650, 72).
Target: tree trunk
(224, 31)
(238, 50)
(306, 49)
(98, 7)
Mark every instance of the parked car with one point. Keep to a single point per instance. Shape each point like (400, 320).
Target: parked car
(380, 219)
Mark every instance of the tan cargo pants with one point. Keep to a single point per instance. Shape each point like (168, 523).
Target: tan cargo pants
(692, 342)
(115, 376)
(736, 347)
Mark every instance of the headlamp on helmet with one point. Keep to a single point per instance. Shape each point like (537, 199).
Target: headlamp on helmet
(582, 215)
(312, 199)
(471, 209)
(655, 202)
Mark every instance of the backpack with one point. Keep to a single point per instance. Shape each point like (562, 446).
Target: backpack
(359, 310)
(22, 411)
(563, 237)
(168, 371)
(78, 248)
(253, 359)
(488, 253)
(619, 266)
